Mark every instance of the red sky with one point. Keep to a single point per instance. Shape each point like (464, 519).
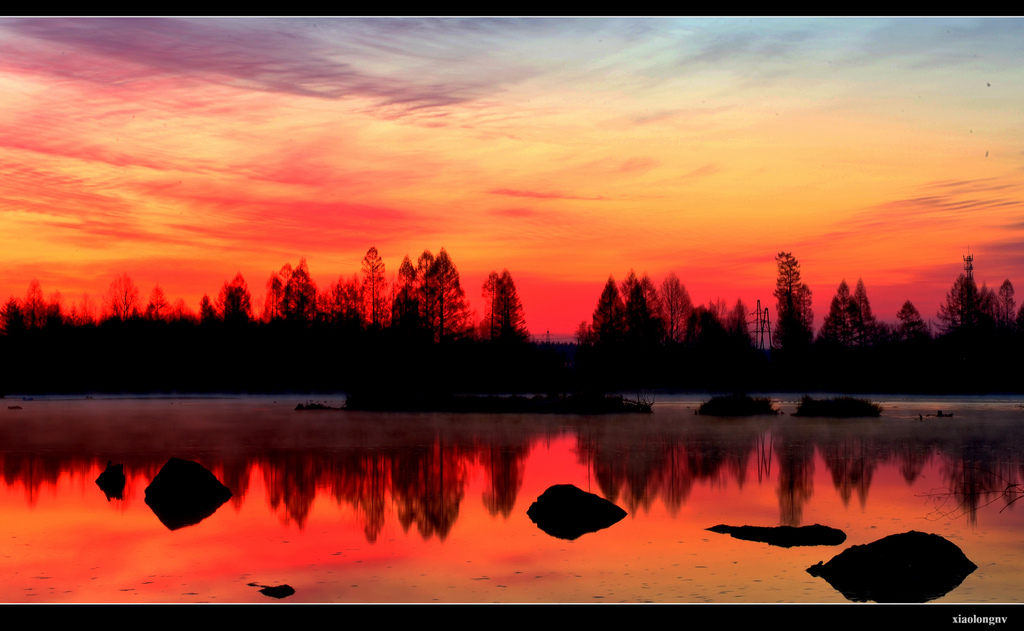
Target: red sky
(566, 150)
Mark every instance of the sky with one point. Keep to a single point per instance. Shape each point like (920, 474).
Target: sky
(184, 151)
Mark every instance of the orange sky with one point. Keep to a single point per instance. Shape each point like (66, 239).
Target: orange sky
(184, 151)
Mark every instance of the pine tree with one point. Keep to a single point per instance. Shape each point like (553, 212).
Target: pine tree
(865, 326)
(960, 311)
(838, 327)
(609, 319)
(158, 306)
(793, 305)
(374, 289)
(504, 321)
(447, 301)
(910, 325)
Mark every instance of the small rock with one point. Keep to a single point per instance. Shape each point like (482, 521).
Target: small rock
(277, 591)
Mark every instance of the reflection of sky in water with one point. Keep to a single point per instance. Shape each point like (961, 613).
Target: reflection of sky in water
(413, 508)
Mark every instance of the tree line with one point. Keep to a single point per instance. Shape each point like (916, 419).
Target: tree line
(640, 335)
(302, 337)
(424, 301)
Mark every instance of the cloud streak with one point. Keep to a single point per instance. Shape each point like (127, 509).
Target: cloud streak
(544, 195)
(287, 57)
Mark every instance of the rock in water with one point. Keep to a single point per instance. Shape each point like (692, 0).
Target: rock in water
(911, 567)
(185, 493)
(278, 591)
(567, 512)
(785, 536)
(112, 481)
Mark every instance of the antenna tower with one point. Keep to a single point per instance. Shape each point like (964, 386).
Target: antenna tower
(969, 264)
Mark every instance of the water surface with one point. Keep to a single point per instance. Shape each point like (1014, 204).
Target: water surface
(375, 507)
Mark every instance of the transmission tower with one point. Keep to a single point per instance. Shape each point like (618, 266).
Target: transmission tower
(762, 328)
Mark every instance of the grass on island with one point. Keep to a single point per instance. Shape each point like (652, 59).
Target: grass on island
(840, 407)
(737, 405)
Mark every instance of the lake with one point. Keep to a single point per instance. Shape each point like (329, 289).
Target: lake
(422, 508)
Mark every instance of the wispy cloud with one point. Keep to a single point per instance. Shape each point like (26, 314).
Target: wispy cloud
(543, 194)
(282, 56)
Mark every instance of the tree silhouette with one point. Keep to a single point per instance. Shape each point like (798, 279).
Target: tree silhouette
(274, 301)
(705, 328)
(838, 327)
(405, 308)
(374, 289)
(910, 326)
(12, 319)
(737, 325)
(446, 300)
(863, 320)
(54, 310)
(344, 303)
(207, 313)
(504, 319)
(960, 311)
(1006, 305)
(676, 308)
(793, 305)
(180, 313)
(34, 307)
(299, 299)
(643, 323)
(609, 319)
(234, 301)
(426, 290)
(158, 307)
(988, 308)
(83, 313)
(123, 298)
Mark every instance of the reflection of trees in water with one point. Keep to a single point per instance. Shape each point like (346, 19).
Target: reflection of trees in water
(365, 490)
(34, 472)
(978, 472)
(642, 466)
(503, 465)
(429, 486)
(851, 468)
(912, 457)
(796, 478)
(420, 471)
(291, 481)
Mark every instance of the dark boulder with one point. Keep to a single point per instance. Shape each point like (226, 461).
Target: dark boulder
(112, 481)
(567, 512)
(785, 536)
(184, 493)
(277, 591)
(910, 567)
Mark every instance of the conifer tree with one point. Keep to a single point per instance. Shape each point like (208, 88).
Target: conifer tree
(793, 305)
(374, 289)
(609, 319)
